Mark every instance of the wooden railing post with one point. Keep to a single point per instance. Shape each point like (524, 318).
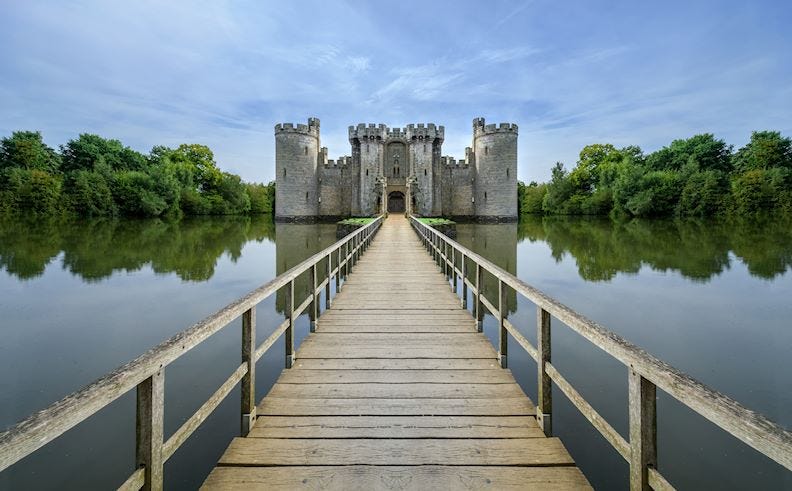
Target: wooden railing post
(338, 273)
(313, 313)
(288, 334)
(464, 285)
(248, 383)
(503, 335)
(643, 429)
(149, 428)
(544, 403)
(329, 271)
(454, 287)
(477, 307)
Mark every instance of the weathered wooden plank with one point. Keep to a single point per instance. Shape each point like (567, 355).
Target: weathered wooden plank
(319, 351)
(417, 478)
(517, 406)
(395, 340)
(272, 451)
(398, 364)
(396, 427)
(396, 391)
(305, 376)
(403, 328)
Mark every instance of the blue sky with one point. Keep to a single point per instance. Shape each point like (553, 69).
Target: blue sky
(224, 73)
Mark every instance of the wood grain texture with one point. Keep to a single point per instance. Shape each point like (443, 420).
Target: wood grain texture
(424, 451)
(516, 406)
(418, 478)
(396, 427)
(394, 376)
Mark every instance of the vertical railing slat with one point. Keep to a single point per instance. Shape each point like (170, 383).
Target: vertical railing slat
(544, 404)
(288, 334)
(643, 429)
(149, 429)
(503, 335)
(313, 313)
(248, 384)
(464, 285)
(478, 306)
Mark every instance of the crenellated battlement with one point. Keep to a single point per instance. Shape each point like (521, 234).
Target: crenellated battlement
(343, 161)
(481, 128)
(423, 132)
(449, 161)
(312, 128)
(368, 132)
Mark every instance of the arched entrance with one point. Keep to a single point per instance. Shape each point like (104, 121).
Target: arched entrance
(396, 202)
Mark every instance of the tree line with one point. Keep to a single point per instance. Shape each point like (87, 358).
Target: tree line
(94, 176)
(700, 176)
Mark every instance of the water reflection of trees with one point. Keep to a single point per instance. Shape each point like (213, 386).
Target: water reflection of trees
(95, 249)
(697, 249)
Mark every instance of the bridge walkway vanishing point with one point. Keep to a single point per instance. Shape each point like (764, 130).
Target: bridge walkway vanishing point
(396, 389)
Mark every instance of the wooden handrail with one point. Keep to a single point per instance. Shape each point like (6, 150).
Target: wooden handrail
(645, 372)
(146, 373)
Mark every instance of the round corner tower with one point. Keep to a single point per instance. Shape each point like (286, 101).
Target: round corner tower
(495, 150)
(297, 150)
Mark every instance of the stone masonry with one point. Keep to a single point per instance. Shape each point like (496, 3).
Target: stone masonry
(396, 170)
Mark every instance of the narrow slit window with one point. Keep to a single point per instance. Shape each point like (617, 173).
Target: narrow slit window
(367, 172)
(485, 196)
(306, 196)
(424, 171)
(306, 150)
(284, 172)
(486, 150)
(507, 172)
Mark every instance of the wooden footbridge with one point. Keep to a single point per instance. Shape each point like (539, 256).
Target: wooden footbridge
(396, 387)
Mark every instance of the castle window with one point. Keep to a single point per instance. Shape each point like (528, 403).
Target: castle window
(424, 171)
(486, 150)
(306, 150)
(507, 172)
(284, 172)
(367, 149)
(485, 196)
(306, 196)
(424, 147)
(366, 171)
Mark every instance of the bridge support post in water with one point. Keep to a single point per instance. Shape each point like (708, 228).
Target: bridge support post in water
(643, 430)
(149, 429)
(288, 334)
(503, 336)
(544, 403)
(248, 383)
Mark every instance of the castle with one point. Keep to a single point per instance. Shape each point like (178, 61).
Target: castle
(396, 170)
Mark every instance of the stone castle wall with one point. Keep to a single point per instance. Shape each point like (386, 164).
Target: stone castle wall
(309, 185)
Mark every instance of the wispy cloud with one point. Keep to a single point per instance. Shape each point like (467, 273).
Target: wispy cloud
(223, 73)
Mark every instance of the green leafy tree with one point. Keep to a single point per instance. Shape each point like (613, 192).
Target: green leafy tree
(26, 150)
(766, 149)
(88, 151)
(704, 151)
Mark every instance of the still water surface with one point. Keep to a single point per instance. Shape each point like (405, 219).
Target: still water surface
(78, 299)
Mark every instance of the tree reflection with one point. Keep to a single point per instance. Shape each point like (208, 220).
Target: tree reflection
(95, 249)
(697, 249)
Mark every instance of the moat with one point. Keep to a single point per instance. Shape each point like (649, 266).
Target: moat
(80, 298)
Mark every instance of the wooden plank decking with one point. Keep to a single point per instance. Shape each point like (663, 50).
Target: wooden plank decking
(396, 390)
